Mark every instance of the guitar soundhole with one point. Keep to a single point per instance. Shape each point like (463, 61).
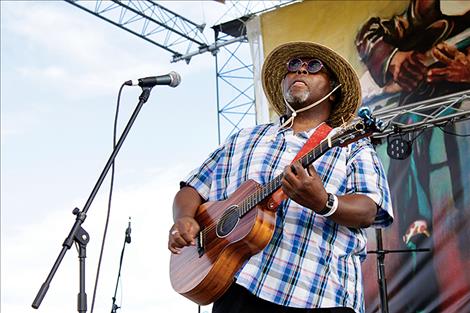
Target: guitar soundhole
(228, 221)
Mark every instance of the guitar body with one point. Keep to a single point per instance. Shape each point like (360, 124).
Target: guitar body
(202, 273)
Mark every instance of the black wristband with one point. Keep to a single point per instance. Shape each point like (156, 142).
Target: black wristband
(328, 205)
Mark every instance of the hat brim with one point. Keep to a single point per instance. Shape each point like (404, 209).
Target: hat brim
(274, 70)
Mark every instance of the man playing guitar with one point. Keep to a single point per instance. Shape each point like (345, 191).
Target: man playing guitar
(312, 261)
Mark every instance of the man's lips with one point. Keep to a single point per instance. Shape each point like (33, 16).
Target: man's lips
(298, 82)
(298, 79)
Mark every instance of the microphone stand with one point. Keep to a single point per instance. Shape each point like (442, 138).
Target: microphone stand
(77, 233)
(127, 239)
(381, 267)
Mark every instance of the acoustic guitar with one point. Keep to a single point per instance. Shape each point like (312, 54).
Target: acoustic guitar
(235, 229)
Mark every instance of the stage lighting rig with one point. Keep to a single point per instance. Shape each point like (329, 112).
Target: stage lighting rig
(401, 122)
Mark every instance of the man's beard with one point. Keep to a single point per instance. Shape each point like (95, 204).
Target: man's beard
(297, 101)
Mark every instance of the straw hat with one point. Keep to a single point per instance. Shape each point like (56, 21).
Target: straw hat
(274, 70)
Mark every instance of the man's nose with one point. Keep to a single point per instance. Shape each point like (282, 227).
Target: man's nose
(303, 68)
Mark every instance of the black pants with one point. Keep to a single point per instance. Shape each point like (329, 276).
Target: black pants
(239, 300)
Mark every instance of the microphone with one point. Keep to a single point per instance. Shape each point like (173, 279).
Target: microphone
(128, 232)
(171, 79)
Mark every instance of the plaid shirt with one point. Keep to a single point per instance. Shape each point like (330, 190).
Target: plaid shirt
(310, 261)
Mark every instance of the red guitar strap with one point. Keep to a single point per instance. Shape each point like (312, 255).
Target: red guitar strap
(318, 135)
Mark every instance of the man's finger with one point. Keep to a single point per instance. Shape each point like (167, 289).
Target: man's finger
(287, 188)
(179, 241)
(290, 177)
(173, 249)
(441, 56)
(292, 168)
(188, 237)
(417, 59)
(437, 74)
(450, 49)
(299, 169)
(311, 170)
(288, 173)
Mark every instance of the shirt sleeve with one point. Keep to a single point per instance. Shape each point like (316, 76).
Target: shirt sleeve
(202, 177)
(366, 175)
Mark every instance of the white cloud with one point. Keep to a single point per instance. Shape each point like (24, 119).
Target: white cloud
(71, 55)
(28, 254)
(63, 32)
(22, 120)
(49, 72)
(86, 56)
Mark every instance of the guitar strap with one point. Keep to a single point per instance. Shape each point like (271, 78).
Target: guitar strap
(318, 135)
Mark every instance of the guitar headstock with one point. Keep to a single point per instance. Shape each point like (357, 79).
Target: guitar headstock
(363, 126)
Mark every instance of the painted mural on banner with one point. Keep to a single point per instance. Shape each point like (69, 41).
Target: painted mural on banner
(417, 55)
(405, 52)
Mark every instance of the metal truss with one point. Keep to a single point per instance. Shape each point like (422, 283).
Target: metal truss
(238, 10)
(235, 87)
(149, 21)
(434, 112)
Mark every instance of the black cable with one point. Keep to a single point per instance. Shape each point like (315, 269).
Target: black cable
(416, 137)
(109, 202)
(451, 133)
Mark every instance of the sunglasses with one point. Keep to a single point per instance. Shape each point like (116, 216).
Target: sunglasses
(313, 65)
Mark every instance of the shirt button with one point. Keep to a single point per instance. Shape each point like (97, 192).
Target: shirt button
(289, 150)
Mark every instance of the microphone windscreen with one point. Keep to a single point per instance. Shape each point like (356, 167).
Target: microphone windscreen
(175, 79)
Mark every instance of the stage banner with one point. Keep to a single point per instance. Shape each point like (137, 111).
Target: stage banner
(383, 40)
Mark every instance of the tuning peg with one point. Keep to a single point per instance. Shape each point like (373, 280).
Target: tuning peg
(380, 125)
(364, 112)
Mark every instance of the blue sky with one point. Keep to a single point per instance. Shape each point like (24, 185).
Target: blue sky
(61, 69)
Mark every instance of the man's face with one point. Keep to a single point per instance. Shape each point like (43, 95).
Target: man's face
(301, 88)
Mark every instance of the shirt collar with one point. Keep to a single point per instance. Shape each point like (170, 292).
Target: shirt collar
(305, 134)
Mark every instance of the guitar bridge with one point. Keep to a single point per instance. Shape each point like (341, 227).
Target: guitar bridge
(200, 244)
